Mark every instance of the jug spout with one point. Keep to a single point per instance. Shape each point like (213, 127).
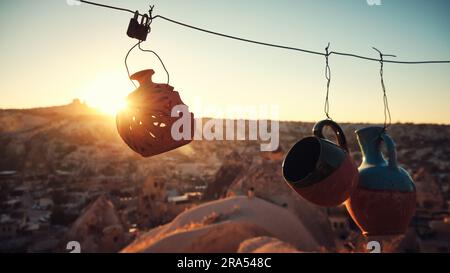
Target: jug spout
(369, 139)
(143, 77)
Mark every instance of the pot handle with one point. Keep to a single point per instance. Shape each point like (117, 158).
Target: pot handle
(392, 152)
(318, 128)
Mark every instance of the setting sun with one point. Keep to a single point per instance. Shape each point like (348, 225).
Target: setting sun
(107, 106)
(107, 93)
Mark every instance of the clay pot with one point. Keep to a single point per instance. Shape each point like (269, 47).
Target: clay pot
(145, 124)
(319, 170)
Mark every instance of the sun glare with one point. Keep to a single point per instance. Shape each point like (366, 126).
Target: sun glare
(108, 107)
(107, 93)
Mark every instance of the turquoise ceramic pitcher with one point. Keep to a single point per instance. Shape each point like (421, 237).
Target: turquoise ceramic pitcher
(385, 199)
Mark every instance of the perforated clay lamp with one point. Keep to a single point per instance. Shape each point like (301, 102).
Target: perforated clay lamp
(145, 125)
(385, 199)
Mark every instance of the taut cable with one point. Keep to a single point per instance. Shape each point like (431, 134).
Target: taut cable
(265, 43)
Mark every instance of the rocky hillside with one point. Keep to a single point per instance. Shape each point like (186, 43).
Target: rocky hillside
(76, 138)
(59, 160)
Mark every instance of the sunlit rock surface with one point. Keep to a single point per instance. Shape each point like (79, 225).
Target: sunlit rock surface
(221, 226)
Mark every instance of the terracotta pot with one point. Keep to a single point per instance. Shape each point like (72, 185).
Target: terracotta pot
(319, 170)
(145, 125)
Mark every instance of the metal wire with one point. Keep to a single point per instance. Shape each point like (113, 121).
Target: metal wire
(138, 44)
(268, 44)
(237, 38)
(159, 58)
(106, 6)
(387, 111)
(328, 77)
(295, 48)
(126, 65)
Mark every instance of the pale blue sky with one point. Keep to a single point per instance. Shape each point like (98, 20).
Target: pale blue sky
(51, 52)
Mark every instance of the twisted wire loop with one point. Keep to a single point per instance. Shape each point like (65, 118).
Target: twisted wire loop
(328, 78)
(387, 111)
(150, 16)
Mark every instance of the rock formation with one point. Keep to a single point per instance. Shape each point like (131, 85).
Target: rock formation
(99, 228)
(266, 244)
(222, 225)
(264, 177)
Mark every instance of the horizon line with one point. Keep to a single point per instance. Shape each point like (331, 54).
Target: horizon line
(101, 113)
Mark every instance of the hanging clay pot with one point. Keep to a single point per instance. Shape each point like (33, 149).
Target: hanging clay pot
(319, 170)
(385, 200)
(145, 125)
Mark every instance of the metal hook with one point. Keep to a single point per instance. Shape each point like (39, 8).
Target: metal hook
(387, 111)
(381, 54)
(150, 12)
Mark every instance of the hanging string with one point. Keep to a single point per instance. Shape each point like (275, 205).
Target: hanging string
(269, 44)
(387, 111)
(160, 60)
(328, 78)
(126, 64)
(138, 44)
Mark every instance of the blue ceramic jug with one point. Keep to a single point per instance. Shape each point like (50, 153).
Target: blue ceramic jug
(385, 198)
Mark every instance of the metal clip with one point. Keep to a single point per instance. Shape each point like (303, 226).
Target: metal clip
(138, 30)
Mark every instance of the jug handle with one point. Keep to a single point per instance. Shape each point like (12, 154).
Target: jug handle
(392, 153)
(318, 128)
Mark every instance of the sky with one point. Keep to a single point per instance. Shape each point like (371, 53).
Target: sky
(52, 52)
